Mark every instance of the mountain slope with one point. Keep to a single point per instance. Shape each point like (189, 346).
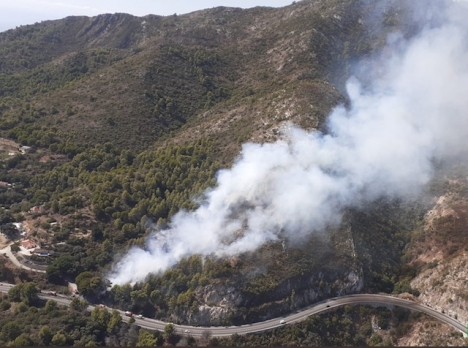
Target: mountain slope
(130, 81)
(182, 93)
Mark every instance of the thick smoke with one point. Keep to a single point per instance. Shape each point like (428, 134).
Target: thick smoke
(383, 144)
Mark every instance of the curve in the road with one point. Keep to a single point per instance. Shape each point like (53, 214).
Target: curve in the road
(7, 252)
(220, 331)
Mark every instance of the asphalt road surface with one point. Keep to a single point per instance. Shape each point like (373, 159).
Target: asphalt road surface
(297, 316)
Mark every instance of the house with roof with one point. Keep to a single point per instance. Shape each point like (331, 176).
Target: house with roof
(27, 244)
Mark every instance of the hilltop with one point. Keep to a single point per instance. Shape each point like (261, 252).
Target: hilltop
(126, 121)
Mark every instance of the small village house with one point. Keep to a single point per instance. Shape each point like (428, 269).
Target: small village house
(27, 244)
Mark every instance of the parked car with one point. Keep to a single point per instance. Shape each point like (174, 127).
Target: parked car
(128, 314)
(282, 321)
(140, 316)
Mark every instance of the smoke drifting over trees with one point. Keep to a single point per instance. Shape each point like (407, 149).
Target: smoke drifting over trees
(383, 144)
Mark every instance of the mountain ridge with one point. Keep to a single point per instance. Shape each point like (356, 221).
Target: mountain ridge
(240, 38)
(130, 119)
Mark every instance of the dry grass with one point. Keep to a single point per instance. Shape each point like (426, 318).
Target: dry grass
(430, 332)
(3, 241)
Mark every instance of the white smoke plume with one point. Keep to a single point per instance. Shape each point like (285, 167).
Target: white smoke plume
(382, 144)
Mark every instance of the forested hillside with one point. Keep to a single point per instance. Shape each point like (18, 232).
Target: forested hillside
(133, 81)
(111, 125)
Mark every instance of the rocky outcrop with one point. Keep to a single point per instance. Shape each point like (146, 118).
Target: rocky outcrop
(225, 305)
(219, 304)
(221, 295)
(300, 292)
(443, 287)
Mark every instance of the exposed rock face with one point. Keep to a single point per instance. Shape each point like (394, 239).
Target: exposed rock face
(207, 315)
(444, 287)
(220, 301)
(430, 332)
(223, 303)
(221, 295)
(441, 251)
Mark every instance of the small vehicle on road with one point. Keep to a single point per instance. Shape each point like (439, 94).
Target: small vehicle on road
(53, 293)
(128, 314)
(186, 331)
(102, 306)
(139, 316)
(328, 306)
(282, 321)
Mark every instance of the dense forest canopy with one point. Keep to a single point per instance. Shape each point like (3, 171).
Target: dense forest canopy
(110, 128)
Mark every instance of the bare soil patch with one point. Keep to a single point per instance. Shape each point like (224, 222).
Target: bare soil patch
(444, 233)
(430, 332)
(8, 145)
(53, 158)
(439, 251)
(3, 242)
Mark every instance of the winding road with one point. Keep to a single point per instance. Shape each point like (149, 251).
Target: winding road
(7, 252)
(297, 316)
